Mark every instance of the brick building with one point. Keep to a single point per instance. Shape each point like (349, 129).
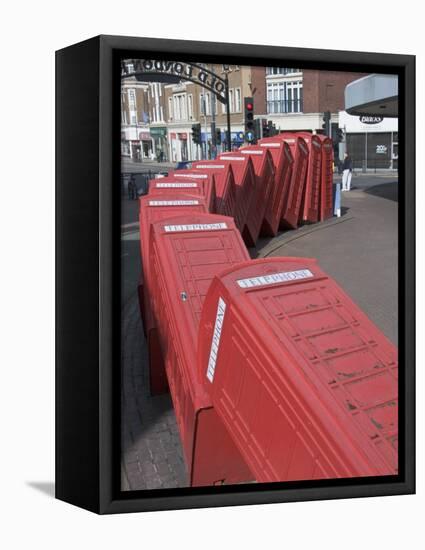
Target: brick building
(188, 104)
(143, 128)
(296, 99)
(157, 117)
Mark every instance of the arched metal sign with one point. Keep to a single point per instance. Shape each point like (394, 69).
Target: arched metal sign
(175, 71)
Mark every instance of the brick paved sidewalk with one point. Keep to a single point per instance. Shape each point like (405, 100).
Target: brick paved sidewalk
(152, 456)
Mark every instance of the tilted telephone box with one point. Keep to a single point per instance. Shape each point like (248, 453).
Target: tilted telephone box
(186, 252)
(224, 183)
(292, 204)
(311, 388)
(326, 188)
(283, 162)
(265, 173)
(246, 191)
(152, 209)
(204, 187)
(313, 182)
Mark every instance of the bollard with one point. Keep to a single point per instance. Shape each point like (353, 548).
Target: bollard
(337, 200)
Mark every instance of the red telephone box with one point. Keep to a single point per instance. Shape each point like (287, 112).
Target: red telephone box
(224, 182)
(186, 253)
(292, 205)
(204, 187)
(246, 183)
(311, 198)
(265, 173)
(311, 389)
(326, 189)
(283, 162)
(151, 209)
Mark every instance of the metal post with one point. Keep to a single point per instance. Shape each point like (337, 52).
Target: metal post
(213, 134)
(365, 152)
(204, 102)
(228, 132)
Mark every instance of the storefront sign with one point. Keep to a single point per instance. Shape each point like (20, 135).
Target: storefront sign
(371, 119)
(158, 132)
(145, 136)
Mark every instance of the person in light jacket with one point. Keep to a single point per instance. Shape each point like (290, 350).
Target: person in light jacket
(347, 169)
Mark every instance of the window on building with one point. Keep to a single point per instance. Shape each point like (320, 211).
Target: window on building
(205, 104)
(238, 104)
(176, 108)
(180, 106)
(233, 101)
(285, 97)
(157, 109)
(130, 67)
(123, 113)
(281, 71)
(132, 99)
(190, 106)
(214, 103)
(170, 108)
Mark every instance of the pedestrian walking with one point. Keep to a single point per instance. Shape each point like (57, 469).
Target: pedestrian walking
(347, 169)
(132, 189)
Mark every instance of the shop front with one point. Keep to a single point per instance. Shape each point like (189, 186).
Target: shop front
(159, 141)
(371, 141)
(146, 145)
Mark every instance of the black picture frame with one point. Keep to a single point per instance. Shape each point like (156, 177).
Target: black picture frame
(87, 274)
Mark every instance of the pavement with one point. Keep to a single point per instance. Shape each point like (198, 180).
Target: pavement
(130, 165)
(359, 250)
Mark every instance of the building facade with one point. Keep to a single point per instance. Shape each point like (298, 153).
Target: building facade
(188, 104)
(158, 117)
(371, 141)
(296, 99)
(143, 127)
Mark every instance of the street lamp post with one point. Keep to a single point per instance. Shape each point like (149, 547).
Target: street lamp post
(228, 132)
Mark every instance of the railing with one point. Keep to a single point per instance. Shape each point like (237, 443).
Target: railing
(284, 106)
(369, 165)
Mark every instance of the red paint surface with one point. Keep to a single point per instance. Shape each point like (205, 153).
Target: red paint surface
(148, 215)
(304, 382)
(183, 264)
(293, 201)
(205, 188)
(326, 190)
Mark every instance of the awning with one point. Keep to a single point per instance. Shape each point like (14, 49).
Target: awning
(373, 95)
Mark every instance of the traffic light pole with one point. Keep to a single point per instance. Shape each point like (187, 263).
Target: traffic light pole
(213, 132)
(228, 133)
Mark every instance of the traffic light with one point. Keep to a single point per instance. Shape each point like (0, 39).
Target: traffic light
(272, 130)
(196, 134)
(326, 123)
(218, 136)
(265, 129)
(339, 135)
(249, 119)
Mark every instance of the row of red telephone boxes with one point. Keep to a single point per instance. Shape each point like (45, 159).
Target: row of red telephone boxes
(275, 374)
(279, 183)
